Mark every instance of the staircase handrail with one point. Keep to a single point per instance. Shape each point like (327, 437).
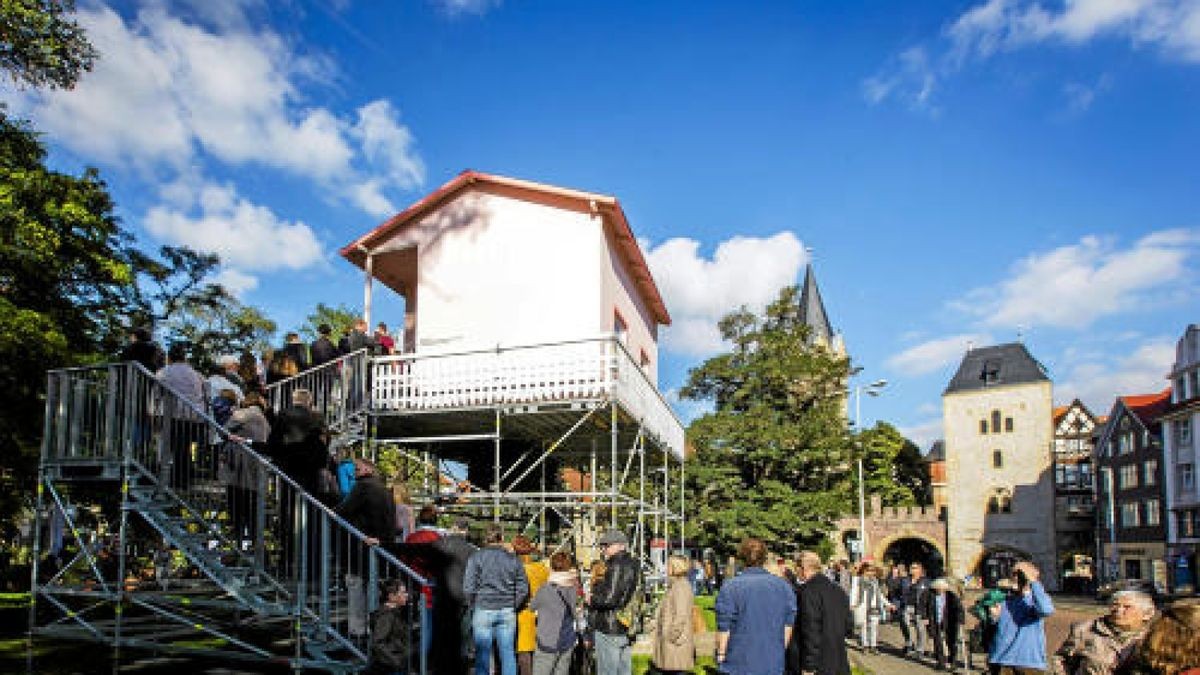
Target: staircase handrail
(266, 464)
(271, 469)
(309, 371)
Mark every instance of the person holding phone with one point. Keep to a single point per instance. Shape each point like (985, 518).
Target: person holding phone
(1019, 646)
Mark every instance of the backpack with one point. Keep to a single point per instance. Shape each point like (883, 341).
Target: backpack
(630, 615)
(566, 630)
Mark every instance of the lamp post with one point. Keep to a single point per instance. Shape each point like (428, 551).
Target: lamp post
(872, 389)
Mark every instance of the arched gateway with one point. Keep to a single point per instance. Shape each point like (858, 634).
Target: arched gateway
(897, 534)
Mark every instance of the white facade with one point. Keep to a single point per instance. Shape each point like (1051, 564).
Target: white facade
(1023, 477)
(1180, 425)
(488, 268)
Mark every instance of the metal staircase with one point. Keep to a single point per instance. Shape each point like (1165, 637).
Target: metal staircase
(169, 535)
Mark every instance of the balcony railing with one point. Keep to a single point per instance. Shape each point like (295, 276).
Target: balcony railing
(598, 369)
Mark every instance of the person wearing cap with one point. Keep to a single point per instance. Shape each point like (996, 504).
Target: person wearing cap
(536, 574)
(945, 616)
(610, 595)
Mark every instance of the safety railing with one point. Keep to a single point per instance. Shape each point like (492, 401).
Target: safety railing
(338, 388)
(250, 526)
(598, 368)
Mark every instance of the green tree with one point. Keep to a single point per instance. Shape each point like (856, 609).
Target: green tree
(892, 466)
(773, 459)
(340, 318)
(41, 44)
(175, 294)
(64, 272)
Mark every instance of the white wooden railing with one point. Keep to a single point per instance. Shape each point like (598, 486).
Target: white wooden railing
(597, 369)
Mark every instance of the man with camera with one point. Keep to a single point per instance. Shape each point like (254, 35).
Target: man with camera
(1019, 646)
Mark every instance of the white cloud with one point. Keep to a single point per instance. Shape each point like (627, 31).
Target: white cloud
(934, 355)
(1173, 26)
(248, 237)
(1098, 380)
(747, 271)
(911, 79)
(995, 26)
(923, 433)
(1080, 96)
(167, 91)
(1073, 286)
(236, 282)
(460, 7)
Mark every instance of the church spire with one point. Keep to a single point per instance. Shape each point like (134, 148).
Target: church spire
(812, 310)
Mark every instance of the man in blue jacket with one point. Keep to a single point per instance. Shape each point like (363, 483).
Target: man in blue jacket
(1019, 647)
(755, 612)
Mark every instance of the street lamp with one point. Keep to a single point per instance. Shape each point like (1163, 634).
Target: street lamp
(872, 389)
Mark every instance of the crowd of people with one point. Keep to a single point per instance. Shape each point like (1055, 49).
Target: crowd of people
(776, 616)
(503, 608)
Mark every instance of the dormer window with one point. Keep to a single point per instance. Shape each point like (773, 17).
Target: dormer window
(991, 371)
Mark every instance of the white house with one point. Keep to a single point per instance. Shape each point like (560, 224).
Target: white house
(487, 260)
(518, 293)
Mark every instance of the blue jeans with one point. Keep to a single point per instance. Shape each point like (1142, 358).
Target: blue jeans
(614, 654)
(426, 627)
(499, 627)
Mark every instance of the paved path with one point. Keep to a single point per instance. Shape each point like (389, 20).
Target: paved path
(891, 660)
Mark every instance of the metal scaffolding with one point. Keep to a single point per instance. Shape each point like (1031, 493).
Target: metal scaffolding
(559, 440)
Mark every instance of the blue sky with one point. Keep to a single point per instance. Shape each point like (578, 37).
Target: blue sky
(959, 172)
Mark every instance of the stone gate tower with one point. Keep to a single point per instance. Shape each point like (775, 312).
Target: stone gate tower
(999, 483)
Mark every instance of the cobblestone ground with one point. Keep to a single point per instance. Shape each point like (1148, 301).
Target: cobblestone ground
(890, 659)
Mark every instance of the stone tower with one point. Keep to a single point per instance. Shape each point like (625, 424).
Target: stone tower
(996, 417)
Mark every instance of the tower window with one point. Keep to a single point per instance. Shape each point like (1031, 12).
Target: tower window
(1008, 424)
(991, 372)
(983, 426)
(997, 459)
(995, 421)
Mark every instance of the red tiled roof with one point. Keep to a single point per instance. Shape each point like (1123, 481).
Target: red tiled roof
(585, 202)
(1058, 412)
(1148, 407)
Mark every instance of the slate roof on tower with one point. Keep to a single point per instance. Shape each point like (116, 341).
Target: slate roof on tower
(996, 366)
(812, 309)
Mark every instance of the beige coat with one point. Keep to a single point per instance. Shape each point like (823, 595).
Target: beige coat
(1094, 648)
(674, 647)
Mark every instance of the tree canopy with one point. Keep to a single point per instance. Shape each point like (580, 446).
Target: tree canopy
(773, 459)
(893, 467)
(340, 318)
(42, 45)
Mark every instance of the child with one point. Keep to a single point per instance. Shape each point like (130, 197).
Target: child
(389, 631)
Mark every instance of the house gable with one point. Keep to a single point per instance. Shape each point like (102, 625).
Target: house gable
(605, 207)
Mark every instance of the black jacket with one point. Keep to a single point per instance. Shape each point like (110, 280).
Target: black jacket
(298, 353)
(149, 354)
(354, 341)
(952, 615)
(322, 351)
(389, 640)
(369, 508)
(914, 595)
(297, 445)
(613, 592)
(822, 625)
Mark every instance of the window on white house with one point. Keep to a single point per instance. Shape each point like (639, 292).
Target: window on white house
(1187, 477)
(1183, 432)
(620, 328)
